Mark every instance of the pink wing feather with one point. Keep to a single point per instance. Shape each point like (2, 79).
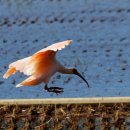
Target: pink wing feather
(23, 66)
(18, 65)
(57, 46)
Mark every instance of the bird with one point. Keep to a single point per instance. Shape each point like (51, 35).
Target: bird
(41, 66)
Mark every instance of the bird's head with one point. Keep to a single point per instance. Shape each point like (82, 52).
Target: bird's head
(74, 71)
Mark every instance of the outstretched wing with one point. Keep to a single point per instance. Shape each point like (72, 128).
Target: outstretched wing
(18, 65)
(32, 64)
(57, 46)
(43, 58)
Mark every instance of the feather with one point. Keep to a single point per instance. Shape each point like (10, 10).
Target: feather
(31, 81)
(18, 65)
(57, 46)
(37, 64)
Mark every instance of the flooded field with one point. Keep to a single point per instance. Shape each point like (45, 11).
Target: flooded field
(100, 50)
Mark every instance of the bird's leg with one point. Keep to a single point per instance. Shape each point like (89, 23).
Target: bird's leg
(53, 89)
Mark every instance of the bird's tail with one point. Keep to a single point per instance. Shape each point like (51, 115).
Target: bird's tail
(9, 72)
(31, 81)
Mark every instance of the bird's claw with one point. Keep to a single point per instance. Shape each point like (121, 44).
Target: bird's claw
(56, 90)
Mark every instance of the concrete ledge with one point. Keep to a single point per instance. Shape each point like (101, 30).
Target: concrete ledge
(94, 100)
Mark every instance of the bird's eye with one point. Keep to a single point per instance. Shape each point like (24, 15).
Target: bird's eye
(74, 71)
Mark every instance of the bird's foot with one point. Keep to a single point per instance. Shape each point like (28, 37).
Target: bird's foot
(56, 90)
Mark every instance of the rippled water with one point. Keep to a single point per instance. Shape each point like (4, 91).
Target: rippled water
(100, 50)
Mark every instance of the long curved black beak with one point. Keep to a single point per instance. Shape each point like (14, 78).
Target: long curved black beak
(77, 73)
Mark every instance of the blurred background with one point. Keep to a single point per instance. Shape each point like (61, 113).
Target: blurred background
(100, 31)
